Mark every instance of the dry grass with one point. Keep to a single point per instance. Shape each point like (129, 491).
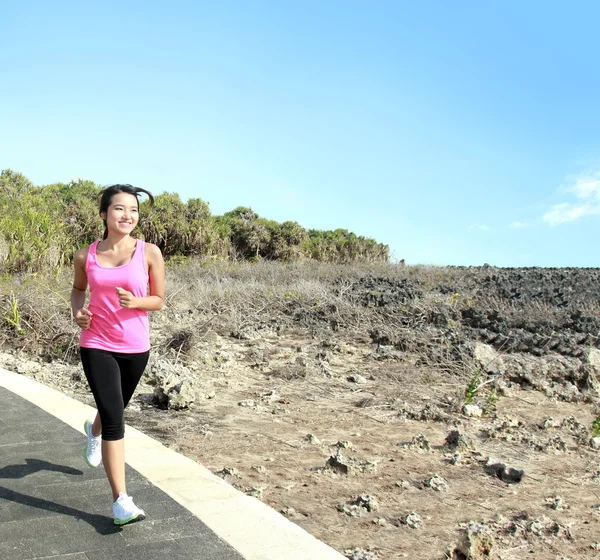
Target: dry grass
(418, 310)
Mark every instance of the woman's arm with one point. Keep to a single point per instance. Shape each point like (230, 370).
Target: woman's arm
(83, 316)
(156, 273)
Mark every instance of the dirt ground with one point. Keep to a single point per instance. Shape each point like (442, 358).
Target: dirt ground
(379, 447)
(274, 437)
(270, 431)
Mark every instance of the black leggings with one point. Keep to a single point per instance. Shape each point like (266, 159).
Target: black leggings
(113, 378)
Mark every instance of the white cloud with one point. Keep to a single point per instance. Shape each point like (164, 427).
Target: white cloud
(563, 213)
(586, 188)
(478, 227)
(519, 225)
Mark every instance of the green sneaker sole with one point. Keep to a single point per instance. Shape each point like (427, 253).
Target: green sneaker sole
(137, 517)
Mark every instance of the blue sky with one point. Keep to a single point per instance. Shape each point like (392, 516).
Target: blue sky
(458, 133)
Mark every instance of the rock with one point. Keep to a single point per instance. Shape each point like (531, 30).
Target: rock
(27, 367)
(361, 554)
(548, 423)
(473, 410)
(247, 403)
(221, 357)
(311, 438)
(359, 506)
(288, 511)
(350, 510)
(344, 444)
(555, 443)
(412, 520)
(503, 389)
(420, 443)
(229, 471)
(455, 459)
(162, 371)
(428, 413)
(568, 393)
(338, 464)
(255, 492)
(181, 395)
(178, 396)
(7, 361)
(536, 528)
(488, 359)
(356, 378)
(504, 473)
(437, 483)
(557, 503)
(270, 397)
(343, 465)
(545, 526)
(367, 501)
(593, 358)
(367, 466)
(595, 442)
(458, 441)
(384, 352)
(174, 385)
(476, 543)
(572, 423)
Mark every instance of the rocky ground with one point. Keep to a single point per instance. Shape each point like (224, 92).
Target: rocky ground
(394, 413)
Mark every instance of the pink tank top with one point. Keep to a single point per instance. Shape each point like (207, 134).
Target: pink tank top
(115, 328)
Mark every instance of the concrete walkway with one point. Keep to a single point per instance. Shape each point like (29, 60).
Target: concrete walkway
(53, 506)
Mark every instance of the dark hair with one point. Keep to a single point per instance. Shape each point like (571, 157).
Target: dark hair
(108, 193)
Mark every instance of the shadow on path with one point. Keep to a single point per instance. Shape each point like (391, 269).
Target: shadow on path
(33, 466)
(101, 523)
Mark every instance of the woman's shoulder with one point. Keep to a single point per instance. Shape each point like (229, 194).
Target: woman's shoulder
(81, 255)
(152, 250)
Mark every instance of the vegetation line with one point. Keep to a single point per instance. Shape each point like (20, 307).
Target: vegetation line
(53, 221)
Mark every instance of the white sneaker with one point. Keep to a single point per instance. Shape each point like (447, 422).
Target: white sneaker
(93, 448)
(125, 511)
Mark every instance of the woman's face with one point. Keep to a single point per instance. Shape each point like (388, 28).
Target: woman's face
(122, 215)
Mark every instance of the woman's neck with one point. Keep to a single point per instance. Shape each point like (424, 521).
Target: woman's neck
(117, 241)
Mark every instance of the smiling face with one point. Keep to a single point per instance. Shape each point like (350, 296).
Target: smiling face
(122, 214)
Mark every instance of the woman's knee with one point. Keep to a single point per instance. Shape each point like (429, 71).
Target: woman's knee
(113, 431)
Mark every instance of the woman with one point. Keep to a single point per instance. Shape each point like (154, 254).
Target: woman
(115, 338)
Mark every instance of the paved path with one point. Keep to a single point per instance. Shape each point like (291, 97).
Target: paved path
(53, 506)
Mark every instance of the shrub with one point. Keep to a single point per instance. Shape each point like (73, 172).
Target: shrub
(53, 221)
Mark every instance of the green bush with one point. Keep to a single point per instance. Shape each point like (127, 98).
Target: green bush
(42, 227)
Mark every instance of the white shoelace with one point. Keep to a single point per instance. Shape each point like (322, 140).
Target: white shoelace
(126, 500)
(95, 442)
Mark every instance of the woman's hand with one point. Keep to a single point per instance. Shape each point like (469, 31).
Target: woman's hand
(126, 299)
(83, 318)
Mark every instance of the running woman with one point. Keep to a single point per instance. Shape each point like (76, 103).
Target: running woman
(115, 336)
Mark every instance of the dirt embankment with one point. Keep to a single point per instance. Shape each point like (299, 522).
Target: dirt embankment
(393, 413)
